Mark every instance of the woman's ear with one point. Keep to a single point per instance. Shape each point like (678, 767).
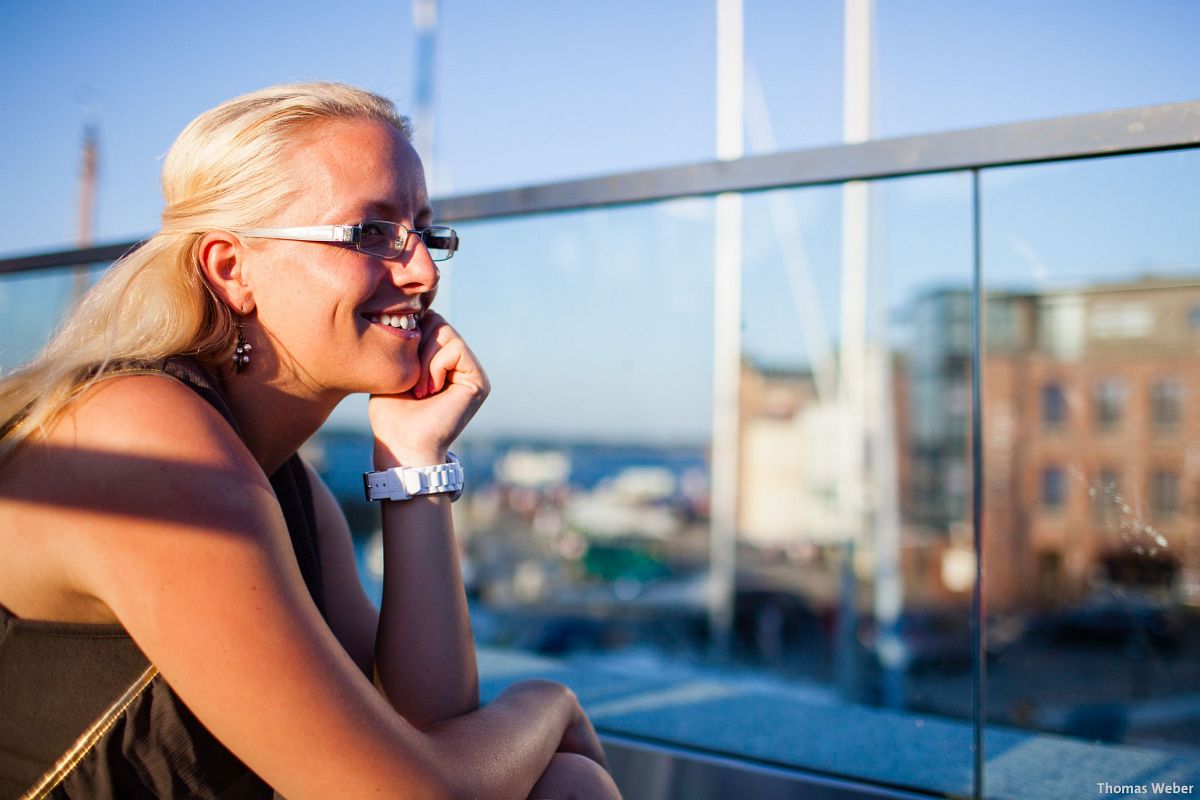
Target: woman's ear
(221, 260)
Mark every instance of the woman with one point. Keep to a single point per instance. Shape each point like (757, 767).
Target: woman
(182, 616)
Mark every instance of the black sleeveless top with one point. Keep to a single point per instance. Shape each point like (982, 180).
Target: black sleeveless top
(58, 680)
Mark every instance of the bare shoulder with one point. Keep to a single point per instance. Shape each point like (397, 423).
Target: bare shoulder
(150, 413)
(148, 446)
(131, 454)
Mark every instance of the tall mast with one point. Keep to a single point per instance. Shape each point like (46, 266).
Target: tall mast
(424, 114)
(425, 19)
(727, 331)
(86, 223)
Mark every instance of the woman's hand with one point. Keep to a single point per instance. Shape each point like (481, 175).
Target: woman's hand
(418, 426)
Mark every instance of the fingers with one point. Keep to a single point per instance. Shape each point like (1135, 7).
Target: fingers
(432, 327)
(444, 356)
(440, 366)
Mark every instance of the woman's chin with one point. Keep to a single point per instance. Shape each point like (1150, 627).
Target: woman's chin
(394, 387)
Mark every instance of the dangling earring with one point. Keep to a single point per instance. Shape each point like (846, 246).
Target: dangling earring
(241, 351)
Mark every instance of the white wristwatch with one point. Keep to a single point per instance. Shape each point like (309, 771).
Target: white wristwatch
(402, 483)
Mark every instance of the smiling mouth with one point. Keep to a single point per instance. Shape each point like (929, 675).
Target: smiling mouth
(405, 322)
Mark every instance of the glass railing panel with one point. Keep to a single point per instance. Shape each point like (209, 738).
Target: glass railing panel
(855, 568)
(596, 331)
(32, 304)
(1092, 500)
(922, 311)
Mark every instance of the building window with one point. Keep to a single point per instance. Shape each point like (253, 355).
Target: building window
(1166, 403)
(1106, 496)
(1194, 317)
(1164, 493)
(1110, 402)
(1054, 406)
(1054, 487)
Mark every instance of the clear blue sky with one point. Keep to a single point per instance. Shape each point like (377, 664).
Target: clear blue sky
(585, 331)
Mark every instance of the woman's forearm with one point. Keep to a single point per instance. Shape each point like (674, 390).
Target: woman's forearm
(502, 749)
(424, 653)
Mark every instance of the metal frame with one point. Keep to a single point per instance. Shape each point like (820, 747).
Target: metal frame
(646, 770)
(1135, 130)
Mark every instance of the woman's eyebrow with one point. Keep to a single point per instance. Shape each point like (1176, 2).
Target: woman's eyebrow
(379, 209)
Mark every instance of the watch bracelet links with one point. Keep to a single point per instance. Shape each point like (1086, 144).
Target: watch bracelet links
(403, 483)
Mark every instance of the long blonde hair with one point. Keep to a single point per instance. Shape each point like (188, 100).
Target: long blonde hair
(226, 170)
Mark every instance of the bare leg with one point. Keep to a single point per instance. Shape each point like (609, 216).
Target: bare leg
(574, 777)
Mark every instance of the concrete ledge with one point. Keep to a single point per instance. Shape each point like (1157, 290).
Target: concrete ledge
(812, 733)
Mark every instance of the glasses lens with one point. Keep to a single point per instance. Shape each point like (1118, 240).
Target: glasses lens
(440, 241)
(384, 239)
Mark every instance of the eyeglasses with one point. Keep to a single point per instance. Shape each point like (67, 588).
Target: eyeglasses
(374, 237)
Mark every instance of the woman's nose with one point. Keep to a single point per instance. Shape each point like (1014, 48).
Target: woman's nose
(415, 270)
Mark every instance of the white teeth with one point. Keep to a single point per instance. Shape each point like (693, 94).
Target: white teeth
(405, 322)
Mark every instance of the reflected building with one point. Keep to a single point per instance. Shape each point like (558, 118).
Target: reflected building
(1091, 447)
(1092, 459)
(787, 490)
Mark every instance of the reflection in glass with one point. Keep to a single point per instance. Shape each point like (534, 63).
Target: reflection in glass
(1091, 475)
(1109, 402)
(855, 558)
(1054, 406)
(1166, 402)
(31, 306)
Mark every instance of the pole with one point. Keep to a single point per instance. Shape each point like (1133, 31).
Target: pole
(425, 23)
(863, 382)
(727, 333)
(85, 229)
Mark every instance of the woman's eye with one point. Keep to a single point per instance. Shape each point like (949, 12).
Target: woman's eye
(372, 235)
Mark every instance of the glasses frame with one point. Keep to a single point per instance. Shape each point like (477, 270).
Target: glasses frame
(352, 234)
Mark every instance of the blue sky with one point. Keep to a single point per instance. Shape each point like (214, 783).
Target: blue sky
(537, 91)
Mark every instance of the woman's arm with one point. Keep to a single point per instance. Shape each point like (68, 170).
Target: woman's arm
(424, 652)
(178, 532)
(420, 653)
(354, 622)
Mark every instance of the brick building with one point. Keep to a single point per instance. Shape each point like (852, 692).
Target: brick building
(1092, 441)
(1091, 445)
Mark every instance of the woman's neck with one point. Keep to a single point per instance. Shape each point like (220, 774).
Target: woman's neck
(275, 416)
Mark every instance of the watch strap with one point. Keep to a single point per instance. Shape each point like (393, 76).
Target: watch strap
(402, 483)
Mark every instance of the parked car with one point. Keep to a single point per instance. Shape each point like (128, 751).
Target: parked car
(1112, 622)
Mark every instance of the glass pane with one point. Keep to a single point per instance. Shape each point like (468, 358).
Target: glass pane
(855, 561)
(1092, 272)
(31, 306)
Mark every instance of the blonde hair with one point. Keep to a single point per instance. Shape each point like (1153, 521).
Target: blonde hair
(225, 171)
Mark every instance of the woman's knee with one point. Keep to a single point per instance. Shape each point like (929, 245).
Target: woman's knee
(574, 777)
